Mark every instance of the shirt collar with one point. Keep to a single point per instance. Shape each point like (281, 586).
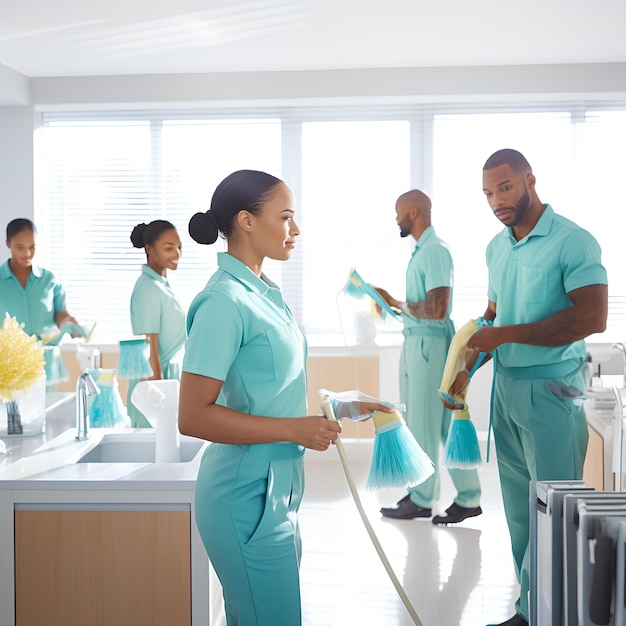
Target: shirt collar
(6, 273)
(148, 271)
(244, 274)
(542, 227)
(424, 237)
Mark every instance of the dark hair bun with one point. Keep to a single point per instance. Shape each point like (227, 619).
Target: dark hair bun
(203, 229)
(136, 237)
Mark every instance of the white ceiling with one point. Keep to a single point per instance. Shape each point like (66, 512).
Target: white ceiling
(45, 38)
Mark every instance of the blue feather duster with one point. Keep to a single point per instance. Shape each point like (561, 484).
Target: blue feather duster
(462, 450)
(134, 359)
(106, 410)
(397, 459)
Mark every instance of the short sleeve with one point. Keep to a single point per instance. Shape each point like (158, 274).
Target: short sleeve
(437, 267)
(215, 334)
(581, 260)
(145, 309)
(491, 291)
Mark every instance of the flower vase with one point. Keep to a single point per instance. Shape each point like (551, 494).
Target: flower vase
(25, 414)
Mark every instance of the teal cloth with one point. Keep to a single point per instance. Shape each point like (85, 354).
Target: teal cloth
(34, 306)
(538, 435)
(247, 497)
(529, 280)
(155, 309)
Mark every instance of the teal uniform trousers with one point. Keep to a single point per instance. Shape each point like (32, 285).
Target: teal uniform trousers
(246, 502)
(539, 436)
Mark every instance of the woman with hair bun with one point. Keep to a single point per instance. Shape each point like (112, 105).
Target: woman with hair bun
(155, 311)
(243, 387)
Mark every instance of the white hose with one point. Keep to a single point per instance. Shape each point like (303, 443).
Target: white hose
(327, 409)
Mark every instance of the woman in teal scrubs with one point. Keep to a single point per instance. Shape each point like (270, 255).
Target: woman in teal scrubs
(31, 294)
(243, 387)
(155, 311)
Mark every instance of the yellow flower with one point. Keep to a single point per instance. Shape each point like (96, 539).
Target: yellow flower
(21, 359)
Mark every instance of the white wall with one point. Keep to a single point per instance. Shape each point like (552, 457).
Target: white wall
(23, 97)
(16, 167)
(430, 83)
(14, 87)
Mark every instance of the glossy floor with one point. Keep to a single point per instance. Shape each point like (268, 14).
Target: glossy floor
(460, 575)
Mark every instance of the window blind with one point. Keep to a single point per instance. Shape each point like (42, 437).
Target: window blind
(100, 173)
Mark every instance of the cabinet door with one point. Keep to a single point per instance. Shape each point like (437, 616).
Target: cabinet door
(341, 374)
(593, 470)
(102, 567)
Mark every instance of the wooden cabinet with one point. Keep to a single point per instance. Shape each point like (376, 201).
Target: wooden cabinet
(340, 373)
(102, 567)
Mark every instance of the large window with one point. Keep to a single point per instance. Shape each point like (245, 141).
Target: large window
(100, 174)
(101, 178)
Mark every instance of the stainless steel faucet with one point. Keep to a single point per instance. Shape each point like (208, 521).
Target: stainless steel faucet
(620, 346)
(85, 387)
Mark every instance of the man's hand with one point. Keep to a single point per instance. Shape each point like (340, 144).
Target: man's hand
(487, 339)
(391, 301)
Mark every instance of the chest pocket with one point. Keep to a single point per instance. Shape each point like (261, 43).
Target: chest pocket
(534, 284)
(287, 351)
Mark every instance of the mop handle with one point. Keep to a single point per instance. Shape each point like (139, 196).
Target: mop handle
(327, 409)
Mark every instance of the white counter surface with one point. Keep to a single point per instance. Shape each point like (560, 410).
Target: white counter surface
(50, 460)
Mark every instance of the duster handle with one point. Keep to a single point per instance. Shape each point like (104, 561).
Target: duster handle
(327, 409)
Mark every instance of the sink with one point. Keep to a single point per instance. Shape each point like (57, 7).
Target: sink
(136, 448)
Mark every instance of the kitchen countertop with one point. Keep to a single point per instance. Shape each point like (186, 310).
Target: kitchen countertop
(50, 460)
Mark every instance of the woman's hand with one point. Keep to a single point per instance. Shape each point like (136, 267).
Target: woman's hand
(371, 407)
(315, 432)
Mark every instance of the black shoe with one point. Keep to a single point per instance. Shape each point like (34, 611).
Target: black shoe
(406, 509)
(516, 620)
(456, 513)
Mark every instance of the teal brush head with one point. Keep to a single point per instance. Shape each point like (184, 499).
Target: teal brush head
(106, 409)
(462, 450)
(134, 359)
(397, 459)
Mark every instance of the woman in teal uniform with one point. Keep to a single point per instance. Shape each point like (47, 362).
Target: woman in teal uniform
(243, 387)
(155, 311)
(32, 294)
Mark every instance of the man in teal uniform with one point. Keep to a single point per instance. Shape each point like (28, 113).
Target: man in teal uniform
(428, 331)
(547, 292)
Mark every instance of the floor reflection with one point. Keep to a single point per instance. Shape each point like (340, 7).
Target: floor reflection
(454, 576)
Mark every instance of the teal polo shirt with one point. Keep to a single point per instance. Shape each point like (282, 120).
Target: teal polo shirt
(34, 306)
(155, 309)
(242, 332)
(430, 267)
(529, 280)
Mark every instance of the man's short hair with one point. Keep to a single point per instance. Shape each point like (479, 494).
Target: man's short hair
(514, 159)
